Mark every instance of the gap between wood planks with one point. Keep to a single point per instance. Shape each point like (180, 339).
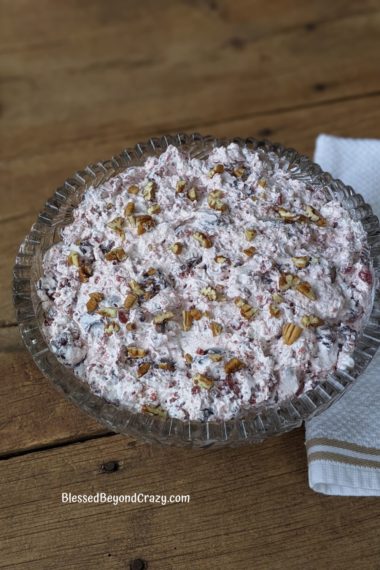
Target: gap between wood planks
(49, 446)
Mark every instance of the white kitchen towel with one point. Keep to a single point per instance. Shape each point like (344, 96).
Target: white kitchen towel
(343, 443)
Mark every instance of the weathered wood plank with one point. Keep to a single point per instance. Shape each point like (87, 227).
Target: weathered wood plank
(157, 66)
(249, 508)
(32, 412)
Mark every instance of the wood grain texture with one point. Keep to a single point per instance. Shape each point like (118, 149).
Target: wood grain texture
(249, 508)
(32, 413)
(78, 82)
(153, 66)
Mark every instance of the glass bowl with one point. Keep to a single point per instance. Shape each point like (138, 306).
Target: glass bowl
(260, 421)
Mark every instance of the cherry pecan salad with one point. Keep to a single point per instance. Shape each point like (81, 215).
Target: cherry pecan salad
(197, 288)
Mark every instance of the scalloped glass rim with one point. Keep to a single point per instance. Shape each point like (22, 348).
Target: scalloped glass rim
(259, 422)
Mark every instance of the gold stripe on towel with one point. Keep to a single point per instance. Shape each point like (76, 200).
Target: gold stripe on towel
(329, 456)
(342, 444)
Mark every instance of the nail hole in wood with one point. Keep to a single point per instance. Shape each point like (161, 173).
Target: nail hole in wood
(109, 467)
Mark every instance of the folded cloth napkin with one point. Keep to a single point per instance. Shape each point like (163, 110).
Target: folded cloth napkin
(343, 443)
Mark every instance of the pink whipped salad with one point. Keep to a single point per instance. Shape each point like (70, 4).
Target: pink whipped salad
(200, 288)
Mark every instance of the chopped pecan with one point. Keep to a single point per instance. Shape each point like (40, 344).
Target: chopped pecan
(93, 302)
(133, 189)
(136, 288)
(239, 171)
(129, 209)
(287, 281)
(301, 261)
(165, 365)
(130, 300)
(181, 184)
(221, 259)
(288, 216)
(196, 314)
(216, 328)
(136, 352)
(250, 251)
(210, 293)
(305, 289)
(233, 365)
(110, 312)
(203, 381)
(188, 358)
(203, 239)
(154, 209)
(215, 357)
(215, 202)
(314, 216)
(73, 258)
(116, 254)
(85, 272)
(150, 191)
(117, 225)
(144, 223)
(274, 310)
(187, 320)
(163, 317)
(311, 321)
(192, 194)
(217, 169)
(143, 369)
(246, 310)
(250, 234)
(111, 328)
(176, 248)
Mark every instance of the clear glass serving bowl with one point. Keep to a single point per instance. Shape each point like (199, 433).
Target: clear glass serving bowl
(260, 421)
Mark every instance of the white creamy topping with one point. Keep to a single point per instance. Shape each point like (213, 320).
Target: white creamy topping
(257, 196)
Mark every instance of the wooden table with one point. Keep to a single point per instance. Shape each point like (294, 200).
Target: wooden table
(80, 81)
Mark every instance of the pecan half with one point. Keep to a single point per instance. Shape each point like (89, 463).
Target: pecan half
(291, 333)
